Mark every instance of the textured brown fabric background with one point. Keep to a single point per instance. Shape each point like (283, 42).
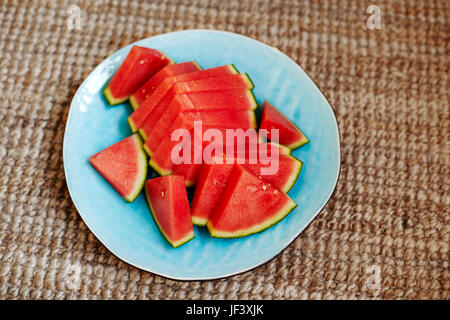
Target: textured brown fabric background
(390, 91)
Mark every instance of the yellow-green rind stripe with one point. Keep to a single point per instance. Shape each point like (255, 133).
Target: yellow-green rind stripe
(132, 125)
(133, 102)
(147, 150)
(143, 134)
(304, 140)
(250, 84)
(109, 96)
(293, 178)
(251, 97)
(157, 168)
(201, 222)
(142, 171)
(255, 229)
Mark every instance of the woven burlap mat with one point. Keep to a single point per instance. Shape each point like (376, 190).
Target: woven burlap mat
(385, 232)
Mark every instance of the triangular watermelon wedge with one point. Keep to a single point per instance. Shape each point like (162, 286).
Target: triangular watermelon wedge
(139, 65)
(124, 166)
(289, 134)
(147, 89)
(213, 178)
(247, 205)
(211, 182)
(284, 178)
(169, 205)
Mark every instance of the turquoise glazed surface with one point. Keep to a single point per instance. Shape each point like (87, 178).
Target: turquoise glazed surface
(128, 229)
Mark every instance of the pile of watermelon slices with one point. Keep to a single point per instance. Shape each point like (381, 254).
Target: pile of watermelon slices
(233, 197)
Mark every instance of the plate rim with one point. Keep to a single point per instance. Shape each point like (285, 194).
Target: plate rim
(283, 248)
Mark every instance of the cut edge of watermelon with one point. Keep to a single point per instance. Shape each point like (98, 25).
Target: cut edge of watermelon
(283, 149)
(174, 244)
(147, 150)
(283, 212)
(290, 183)
(142, 133)
(201, 222)
(132, 125)
(252, 98)
(133, 102)
(171, 61)
(111, 99)
(253, 122)
(142, 171)
(157, 168)
(247, 79)
(304, 140)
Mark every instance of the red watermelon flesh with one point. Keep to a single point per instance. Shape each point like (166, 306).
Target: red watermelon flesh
(285, 177)
(212, 179)
(161, 158)
(236, 99)
(169, 205)
(139, 65)
(138, 117)
(289, 134)
(147, 89)
(124, 166)
(253, 149)
(247, 205)
(211, 182)
(237, 81)
(285, 172)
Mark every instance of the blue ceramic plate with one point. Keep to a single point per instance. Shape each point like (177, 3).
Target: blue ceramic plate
(128, 230)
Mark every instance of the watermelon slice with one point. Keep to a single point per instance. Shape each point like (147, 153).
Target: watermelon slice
(147, 89)
(262, 148)
(211, 182)
(169, 205)
(237, 81)
(139, 115)
(284, 178)
(124, 166)
(139, 65)
(236, 99)
(212, 179)
(247, 205)
(161, 160)
(289, 134)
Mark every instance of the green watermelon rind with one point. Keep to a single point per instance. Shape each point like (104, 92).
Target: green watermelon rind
(252, 98)
(174, 244)
(110, 98)
(290, 183)
(251, 85)
(133, 102)
(132, 125)
(297, 144)
(157, 168)
(143, 135)
(201, 222)
(142, 171)
(280, 215)
(234, 69)
(304, 140)
(147, 151)
(285, 150)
